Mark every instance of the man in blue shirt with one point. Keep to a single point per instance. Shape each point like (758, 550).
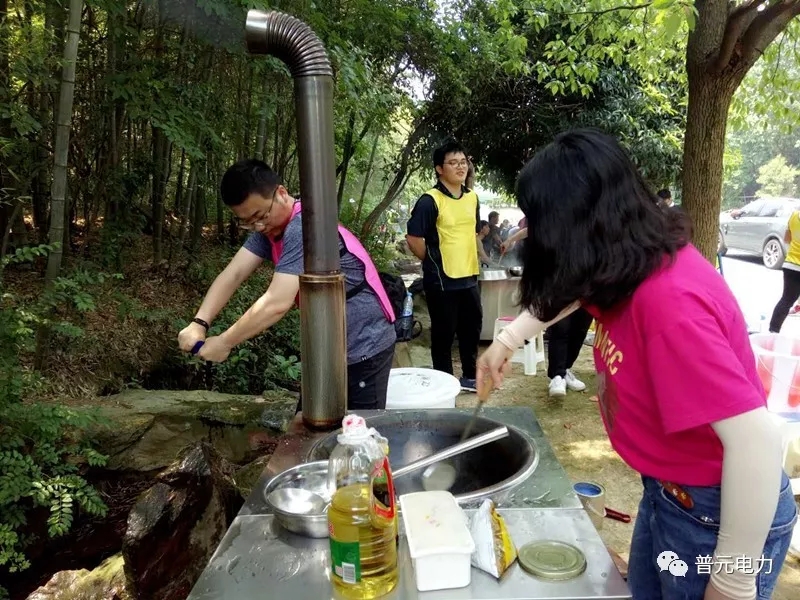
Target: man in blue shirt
(263, 205)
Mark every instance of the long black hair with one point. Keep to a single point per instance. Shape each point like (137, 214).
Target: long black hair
(595, 230)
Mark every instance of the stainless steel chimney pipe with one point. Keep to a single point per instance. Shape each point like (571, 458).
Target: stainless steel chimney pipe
(322, 297)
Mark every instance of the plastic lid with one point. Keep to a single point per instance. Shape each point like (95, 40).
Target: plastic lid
(435, 524)
(552, 560)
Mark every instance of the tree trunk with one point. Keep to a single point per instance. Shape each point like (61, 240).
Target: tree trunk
(704, 148)
(61, 154)
(198, 211)
(404, 171)
(367, 178)
(347, 151)
(7, 232)
(157, 197)
(5, 130)
(261, 136)
(190, 194)
(725, 43)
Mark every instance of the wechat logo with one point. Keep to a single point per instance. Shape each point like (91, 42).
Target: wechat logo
(669, 561)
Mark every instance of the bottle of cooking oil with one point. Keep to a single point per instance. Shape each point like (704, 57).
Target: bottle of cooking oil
(362, 518)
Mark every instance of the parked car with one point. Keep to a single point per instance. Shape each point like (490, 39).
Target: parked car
(758, 228)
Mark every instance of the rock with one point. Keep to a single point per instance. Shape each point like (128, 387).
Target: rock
(247, 476)
(175, 526)
(144, 430)
(106, 582)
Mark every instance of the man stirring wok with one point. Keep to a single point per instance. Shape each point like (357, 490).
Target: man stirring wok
(262, 204)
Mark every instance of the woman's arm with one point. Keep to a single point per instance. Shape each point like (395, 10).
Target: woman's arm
(751, 479)
(526, 326)
(494, 361)
(519, 235)
(481, 252)
(698, 381)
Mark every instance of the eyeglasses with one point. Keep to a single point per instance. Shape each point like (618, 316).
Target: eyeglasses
(258, 221)
(457, 163)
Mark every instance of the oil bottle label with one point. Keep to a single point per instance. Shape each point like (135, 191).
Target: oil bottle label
(383, 490)
(346, 561)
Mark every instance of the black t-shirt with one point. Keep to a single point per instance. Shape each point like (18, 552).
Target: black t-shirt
(423, 224)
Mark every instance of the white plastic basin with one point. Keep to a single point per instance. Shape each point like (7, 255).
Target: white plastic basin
(412, 387)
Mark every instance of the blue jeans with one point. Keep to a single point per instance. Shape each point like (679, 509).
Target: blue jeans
(665, 525)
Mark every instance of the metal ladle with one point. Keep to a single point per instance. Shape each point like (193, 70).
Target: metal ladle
(300, 502)
(460, 448)
(442, 476)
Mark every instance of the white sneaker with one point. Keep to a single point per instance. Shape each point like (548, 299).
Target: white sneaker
(573, 383)
(558, 386)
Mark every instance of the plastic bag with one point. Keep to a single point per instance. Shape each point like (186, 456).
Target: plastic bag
(494, 549)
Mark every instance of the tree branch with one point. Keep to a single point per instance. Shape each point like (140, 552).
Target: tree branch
(766, 27)
(740, 19)
(606, 10)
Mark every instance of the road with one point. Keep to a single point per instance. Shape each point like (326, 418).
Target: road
(757, 289)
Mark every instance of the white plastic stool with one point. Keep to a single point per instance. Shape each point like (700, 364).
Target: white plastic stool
(530, 354)
(533, 353)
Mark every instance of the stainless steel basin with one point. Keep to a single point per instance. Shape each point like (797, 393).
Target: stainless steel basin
(482, 473)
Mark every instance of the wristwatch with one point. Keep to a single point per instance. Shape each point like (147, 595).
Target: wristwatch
(200, 321)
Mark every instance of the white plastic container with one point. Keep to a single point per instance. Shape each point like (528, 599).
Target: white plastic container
(439, 540)
(413, 387)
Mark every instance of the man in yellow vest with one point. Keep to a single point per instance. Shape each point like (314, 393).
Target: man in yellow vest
(442, 233)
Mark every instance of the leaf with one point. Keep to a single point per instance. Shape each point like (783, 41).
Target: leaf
(672, 23)
(662, 4)
(691, 16)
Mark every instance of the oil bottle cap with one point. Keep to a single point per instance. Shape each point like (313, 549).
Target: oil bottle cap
(354, 430)
(552, 560)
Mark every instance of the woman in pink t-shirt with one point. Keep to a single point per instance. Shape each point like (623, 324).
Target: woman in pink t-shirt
(679, 394)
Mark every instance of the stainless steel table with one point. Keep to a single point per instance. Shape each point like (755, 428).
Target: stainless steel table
(258, 559)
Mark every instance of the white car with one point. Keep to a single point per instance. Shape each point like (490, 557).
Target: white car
(758, 228)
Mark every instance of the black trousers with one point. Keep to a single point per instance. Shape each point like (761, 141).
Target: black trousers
(564, 342)
(367, 382)
(791, 292)
(455, 312)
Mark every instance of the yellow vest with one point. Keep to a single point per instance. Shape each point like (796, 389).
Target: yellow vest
(458, 242)
(793, 251)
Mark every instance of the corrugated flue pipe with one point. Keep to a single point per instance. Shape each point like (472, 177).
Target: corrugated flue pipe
(322, 299)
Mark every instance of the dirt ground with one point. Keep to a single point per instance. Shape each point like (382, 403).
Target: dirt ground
(576, 432)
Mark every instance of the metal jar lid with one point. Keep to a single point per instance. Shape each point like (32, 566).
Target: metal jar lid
(552, 560)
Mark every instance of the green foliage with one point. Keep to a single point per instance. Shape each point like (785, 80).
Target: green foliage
(265, 362)
(26, 254)
(749, 145)
(43, 452)
(770, 92)
(777, 178)
(289, 368)
(573, 69)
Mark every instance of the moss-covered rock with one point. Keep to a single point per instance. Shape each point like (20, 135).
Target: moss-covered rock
(144, 430)
(106, 582)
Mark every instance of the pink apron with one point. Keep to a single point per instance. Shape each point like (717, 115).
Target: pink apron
(354, 247)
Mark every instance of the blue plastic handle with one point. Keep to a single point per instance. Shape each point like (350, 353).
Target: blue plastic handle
(197, 346)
